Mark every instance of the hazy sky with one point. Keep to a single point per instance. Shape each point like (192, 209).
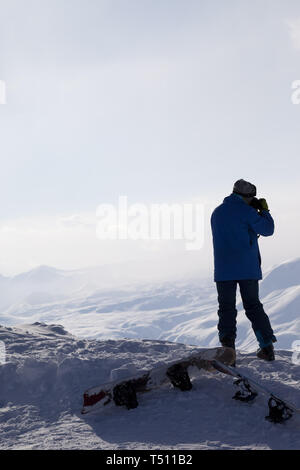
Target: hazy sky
(160, 100)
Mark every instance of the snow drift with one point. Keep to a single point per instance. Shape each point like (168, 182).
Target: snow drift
(66, 331)
(47, 370)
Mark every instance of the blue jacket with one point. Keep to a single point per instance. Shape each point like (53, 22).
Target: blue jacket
(235, 226)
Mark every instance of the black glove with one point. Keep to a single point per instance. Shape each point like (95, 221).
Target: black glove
(256, 204)
(259, 204)
(263, 204)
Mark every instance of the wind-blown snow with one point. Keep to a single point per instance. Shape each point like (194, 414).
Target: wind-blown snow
(65, 332)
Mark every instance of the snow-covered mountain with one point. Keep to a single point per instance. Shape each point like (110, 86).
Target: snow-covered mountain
(45, 284)
(179, 311)
(283, 276)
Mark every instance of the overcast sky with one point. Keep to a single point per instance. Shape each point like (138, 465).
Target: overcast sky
(160, 100)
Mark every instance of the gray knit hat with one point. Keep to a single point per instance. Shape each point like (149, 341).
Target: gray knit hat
(244, 188)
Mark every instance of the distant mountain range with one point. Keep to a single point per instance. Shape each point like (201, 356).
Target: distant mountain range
(93, 303)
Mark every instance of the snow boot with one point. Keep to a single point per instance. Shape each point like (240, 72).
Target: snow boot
(229, 342)
(266, 353)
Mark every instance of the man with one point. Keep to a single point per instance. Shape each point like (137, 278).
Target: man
(236, 225)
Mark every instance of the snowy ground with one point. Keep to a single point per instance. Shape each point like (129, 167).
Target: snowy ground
(47, 370)
(108, 330)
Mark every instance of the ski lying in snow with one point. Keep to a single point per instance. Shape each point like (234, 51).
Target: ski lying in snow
(279, 410)
(124, 392)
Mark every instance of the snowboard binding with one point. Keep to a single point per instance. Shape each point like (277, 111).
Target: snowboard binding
(124, 394)
(245, 392)
(179, 377)
(278, 411)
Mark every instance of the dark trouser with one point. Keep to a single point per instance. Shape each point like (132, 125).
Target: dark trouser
(253, 308)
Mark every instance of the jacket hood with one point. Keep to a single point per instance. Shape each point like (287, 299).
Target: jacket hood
(234, 199)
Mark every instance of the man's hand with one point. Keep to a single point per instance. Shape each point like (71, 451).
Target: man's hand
(255, 203)
(259, 204)
(263, 205)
